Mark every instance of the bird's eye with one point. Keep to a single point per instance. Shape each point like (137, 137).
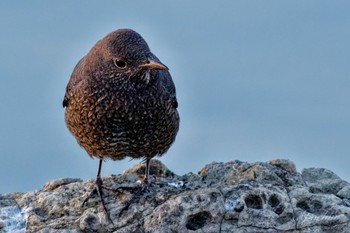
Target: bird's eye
(120, 63)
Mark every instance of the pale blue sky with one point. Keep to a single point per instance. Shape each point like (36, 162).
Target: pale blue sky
(256, 80)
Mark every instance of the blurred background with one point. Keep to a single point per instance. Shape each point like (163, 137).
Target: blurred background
(256, 81)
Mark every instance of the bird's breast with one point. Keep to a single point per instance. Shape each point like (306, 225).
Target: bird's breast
(132, 118)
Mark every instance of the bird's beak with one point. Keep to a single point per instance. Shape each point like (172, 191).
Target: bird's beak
(153, 65)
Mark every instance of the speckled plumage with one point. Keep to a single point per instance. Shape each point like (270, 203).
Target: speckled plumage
(115, 111)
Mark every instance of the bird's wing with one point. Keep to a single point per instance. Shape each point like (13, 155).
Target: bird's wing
(75, 79)
(169, 87)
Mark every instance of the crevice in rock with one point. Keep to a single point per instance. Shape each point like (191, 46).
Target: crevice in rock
(291, 204)
(266, 228)
(223, 216)
(286, 187)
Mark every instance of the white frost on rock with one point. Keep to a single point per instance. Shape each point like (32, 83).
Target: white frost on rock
(138, 182)
(13, 219)
(230, 205)
(176, 184)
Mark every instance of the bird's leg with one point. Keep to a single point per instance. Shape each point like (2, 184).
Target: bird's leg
(146, 181)
(148, 165)
(97, 189)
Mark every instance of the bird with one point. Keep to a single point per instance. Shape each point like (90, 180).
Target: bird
(120, 101)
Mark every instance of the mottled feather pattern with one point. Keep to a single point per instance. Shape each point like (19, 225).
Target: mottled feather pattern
(127, 112)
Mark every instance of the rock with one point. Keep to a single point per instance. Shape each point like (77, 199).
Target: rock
(321, 180)
(318, 209)
(191, 210)
(158, 170)
(344, 192)
(235, 196)
(51, 185)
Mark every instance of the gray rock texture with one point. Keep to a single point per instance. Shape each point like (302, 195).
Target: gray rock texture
(234, 196)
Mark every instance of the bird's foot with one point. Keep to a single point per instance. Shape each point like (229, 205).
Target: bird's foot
(97, 189)
(142, 188)
(145, 183)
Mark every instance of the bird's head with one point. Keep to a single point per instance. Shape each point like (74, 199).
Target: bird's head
(123, 53)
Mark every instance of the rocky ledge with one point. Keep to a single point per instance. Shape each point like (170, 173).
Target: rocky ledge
(223, 197)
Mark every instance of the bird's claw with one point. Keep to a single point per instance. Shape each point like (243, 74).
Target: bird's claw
(97, 189)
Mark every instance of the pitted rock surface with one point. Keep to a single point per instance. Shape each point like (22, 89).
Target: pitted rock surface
(227, 197)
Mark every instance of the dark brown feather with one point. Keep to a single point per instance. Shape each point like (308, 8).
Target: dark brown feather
(117, 112)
